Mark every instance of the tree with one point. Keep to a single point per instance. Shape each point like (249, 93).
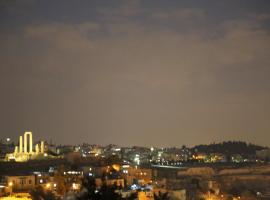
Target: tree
(108, 192)
(60, 180)
(38, 193)
(91, 190)
(133, 196)
(161, 196)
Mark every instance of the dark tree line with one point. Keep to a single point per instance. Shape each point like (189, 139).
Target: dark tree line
(230, 147)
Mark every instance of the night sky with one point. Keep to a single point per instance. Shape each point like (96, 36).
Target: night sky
(135, 72)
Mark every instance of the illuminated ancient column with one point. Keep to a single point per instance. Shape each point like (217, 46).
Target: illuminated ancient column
(31, 142)
(21, 144)
(26, 142)
(37, 149)
(42, 147)
(16, 150)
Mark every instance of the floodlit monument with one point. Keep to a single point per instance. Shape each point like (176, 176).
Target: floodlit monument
(24, 151)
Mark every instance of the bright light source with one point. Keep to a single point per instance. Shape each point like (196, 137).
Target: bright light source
(134, 187)
(10, 184)
(75, 186)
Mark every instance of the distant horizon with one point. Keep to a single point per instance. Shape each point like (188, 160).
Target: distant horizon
(147, 146)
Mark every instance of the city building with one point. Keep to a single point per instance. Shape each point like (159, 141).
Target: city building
(20, 183)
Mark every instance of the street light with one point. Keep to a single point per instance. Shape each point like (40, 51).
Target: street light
(75, 186)
(48, 185)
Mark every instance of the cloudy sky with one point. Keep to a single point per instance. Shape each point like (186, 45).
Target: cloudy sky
(135, 72)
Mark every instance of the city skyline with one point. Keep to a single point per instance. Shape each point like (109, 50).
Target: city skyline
(140, 73)
(16, 142)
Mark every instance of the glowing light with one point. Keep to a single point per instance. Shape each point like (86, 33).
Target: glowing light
(134, 187)
(137, 159)
(75, 186)
(116, 167)
(48, 185)
(10, 184)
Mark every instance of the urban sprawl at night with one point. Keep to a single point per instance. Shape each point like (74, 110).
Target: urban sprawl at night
(227, 170)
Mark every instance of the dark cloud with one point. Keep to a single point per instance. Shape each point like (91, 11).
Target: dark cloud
(123, 75)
